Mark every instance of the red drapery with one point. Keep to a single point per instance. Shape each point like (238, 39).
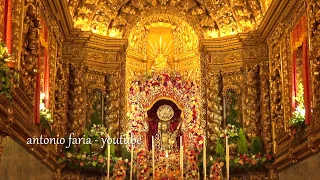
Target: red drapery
(299, 39)
(7, 24)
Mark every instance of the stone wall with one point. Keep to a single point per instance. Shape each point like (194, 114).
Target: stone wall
(307, 169)
(17, 163)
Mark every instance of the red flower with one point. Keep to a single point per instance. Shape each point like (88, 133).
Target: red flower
(94, 158)
(258, 155)
(269, 157)
(81, 163)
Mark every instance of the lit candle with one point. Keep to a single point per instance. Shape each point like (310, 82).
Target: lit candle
(108, 161)
(153, 168)
(204, 158)
(227, 157)
(181, 156)
(131, 163)
(167, 155)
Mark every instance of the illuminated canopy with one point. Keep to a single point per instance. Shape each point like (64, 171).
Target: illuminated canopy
(215, 18)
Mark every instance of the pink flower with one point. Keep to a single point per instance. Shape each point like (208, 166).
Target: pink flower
(81, 163)
(101, 160)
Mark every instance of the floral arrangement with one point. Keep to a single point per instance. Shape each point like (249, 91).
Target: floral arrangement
(84, 160)
(8, 76)
(154, 85)
(46, 119)
(244, 161)
(231, 131)
(97, 132)
(144, 169)
(119, 169)
(192, 170)
(298, 116)
(216, 171)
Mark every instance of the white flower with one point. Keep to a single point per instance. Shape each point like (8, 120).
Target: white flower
(83, 156)
(69, 155)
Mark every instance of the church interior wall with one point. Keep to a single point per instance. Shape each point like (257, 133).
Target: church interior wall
(256, 67)
(26, 166)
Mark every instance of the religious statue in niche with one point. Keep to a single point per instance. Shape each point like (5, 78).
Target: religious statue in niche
(164, 125)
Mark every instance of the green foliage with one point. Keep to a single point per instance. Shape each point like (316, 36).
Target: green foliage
(242, 143)
(256, 145)
(220, 151)
(8, 76)
(46, 124)
(125, 153)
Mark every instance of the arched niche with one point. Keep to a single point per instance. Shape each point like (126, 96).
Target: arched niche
(153, 120)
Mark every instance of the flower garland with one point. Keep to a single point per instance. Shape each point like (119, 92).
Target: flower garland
(8, 76)
(84, 161)
(119, 169)
(216, 171)
(191, 170)
(243, 161)
(143, 167)
(154, 86)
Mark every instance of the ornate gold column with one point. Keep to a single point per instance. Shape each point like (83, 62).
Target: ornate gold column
(314, 33)
(77, 96)
(250, 105)
(30, 48)
(113, 105)
(265, 106)
(214, 111)
(61, 95)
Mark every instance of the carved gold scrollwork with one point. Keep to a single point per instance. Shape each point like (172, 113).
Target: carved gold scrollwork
(1, 18)
(250, 105)
(314, 20)
(113, 103)
(30, 51)
(276, 95)
(77, 99)
(61, 96)
(214, 117)
(265, 106)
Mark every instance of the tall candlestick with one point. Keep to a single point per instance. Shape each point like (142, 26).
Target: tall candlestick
(204, 159)
(131, 163)
(181, 157)
(227, 157)
(224, 112)
(153, 168)
(108, 162)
